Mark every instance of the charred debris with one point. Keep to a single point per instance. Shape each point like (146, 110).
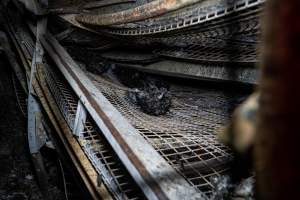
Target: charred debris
(132, 93)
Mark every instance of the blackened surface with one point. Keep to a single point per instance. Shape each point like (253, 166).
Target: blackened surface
(150, 93)
(152, 99)
(16, 176)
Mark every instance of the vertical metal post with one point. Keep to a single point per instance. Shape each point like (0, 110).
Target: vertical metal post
(36, 139)
(80, 119)
(33, 107)
(278, 133)
(36, 131)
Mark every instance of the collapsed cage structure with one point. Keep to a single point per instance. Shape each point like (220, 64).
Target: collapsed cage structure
(178, 153)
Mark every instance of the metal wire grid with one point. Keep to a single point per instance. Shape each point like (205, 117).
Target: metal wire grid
(245, 29)
(98, 150)
(196, 156)
(102, 156)
(185, 136)
(100, 153)
(187, 17)
(20, 95)
(63, 97)
(232, 42)
(222, 46)
(22, 34)
(217, 51)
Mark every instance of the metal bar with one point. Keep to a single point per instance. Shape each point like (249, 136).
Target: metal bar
(34, 119)
(80, 161)
(201, 13)
(97, 4)
(37, 58)
(277, 139)
(206, 71)
(152, 9)
(154, 175)
(33, 107)
(92, 140)
(80, 119)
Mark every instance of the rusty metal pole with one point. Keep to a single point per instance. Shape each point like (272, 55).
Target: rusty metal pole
(277, 148)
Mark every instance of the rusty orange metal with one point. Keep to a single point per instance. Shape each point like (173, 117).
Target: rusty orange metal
(152, 9)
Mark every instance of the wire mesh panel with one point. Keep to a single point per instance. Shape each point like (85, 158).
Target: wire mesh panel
(233, 40)
(92, 141)
(186, 135)
(21, 96)
(203, 12)
(216, 51)
(21, 33)
(108, 164)
(63, 97)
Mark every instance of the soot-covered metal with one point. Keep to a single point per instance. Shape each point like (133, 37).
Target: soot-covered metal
(134, 93)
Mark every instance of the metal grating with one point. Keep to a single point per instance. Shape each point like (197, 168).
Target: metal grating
(225, 42)
(200, 13)
(64, 97)
(98, 150)
(22, 34)
(185, 136)
(21, 96)
(217, 50)
(107, 163)
(245, 29)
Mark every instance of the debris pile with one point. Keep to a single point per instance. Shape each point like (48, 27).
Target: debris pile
(150, 93)
(152, 99)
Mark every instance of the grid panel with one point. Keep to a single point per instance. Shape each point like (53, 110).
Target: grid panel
(184, 18)
(217, 50)
(93, 143)
(185, 136)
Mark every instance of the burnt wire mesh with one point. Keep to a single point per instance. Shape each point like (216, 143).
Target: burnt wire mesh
(186, 135)
(95, 146)
(21, 96)
(240, 52)
(233, 41)
(195, 15)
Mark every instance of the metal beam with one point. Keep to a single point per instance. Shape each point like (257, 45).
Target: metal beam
(198, 71)
(152, 9)
(98, 4)
(80, 119)
(154, 175)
